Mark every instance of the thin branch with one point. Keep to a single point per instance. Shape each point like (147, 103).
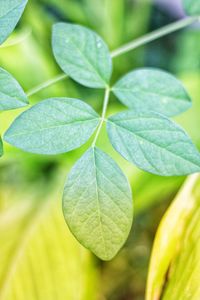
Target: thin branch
(46, 84)
(155, 35)
(20, 38)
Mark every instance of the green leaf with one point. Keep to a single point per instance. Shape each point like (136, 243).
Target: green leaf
(154, 143)
(97, 204)
(10, 13)
(11, 94)
(192, 7)
(1, 147)
(82, 55)
(53, 126)
(175, 260)
(152, 89)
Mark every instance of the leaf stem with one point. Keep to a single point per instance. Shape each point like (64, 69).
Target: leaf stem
(46, 84)
(105, 105)
(154, 35)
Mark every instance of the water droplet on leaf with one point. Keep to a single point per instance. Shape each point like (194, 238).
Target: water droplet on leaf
(98, 44)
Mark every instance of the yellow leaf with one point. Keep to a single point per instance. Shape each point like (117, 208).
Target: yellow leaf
(40, 260)
(174, 271)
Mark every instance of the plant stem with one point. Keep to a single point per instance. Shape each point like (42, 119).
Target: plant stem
(127, 47)
(105, 105)
(154, 35)
(46, 84)
(17, 40)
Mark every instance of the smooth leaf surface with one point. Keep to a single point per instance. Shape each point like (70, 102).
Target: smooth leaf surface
(53, 126)
(39, 257)
(97, 204)
(11, 94)
(153, 143)
(192, 7)
(152, 89)
(82, 55)
(175, 261)
(10, 13)
(1, 147)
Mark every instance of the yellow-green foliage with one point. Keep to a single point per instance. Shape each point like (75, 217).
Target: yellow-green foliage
(175, 262)
(39, 257)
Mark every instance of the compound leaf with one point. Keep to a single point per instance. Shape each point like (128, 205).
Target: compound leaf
(10, 13)
(97, 204)
(11, 94)
(53, 126)
(152, 89)
(192, 7)
(82, 55)
(153, 142)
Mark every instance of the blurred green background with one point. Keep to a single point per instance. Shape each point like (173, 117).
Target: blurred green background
(39, 258)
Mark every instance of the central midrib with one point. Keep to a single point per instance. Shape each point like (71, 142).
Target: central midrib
(150, 93)
(98, 204)
(146, 140)
(10, 10)
(88, 62)
(53, 127)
